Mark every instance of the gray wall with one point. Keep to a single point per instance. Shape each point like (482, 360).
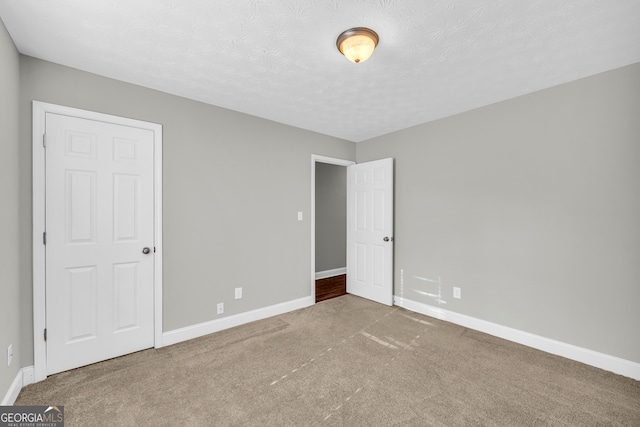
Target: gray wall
(9, 238)
(233, 185)
(331, 216)
(532, 207)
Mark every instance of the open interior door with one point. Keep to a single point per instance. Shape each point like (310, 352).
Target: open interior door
(370, 230)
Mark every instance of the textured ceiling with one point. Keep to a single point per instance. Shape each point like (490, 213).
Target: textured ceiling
(278, 59)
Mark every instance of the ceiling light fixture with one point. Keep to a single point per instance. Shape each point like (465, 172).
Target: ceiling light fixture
(357, 44)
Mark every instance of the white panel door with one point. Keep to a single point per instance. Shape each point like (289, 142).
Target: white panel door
(99, 219)
(370, 230)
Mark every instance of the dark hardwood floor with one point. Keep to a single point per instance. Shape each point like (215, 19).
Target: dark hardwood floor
(331, 287)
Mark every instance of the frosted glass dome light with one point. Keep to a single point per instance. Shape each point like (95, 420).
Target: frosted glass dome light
(357, 44)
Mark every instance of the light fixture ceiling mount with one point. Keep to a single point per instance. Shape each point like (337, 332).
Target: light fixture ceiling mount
(357, 44)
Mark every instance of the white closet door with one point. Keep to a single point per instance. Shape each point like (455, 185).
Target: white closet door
(99, 220)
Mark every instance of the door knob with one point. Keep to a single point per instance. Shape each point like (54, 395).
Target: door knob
(146, 251)
(387, 239)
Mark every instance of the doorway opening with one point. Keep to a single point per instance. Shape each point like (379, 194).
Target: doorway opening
(328, 227)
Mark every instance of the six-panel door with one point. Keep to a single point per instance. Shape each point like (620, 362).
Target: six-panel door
(370, 230)
(99, 217)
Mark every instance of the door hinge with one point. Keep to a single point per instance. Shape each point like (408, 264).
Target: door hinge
(44, 140)
(44, 238)
(45, 334)
(154, 249)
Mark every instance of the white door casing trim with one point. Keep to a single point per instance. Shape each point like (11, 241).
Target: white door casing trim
(319, 159)
(38, 174)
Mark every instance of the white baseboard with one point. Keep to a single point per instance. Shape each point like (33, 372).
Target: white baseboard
(205, 328)
(330, 273)
(599, 360)
(28, 376)
(23, 378)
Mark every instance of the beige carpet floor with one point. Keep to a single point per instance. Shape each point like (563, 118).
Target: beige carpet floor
(342, 362)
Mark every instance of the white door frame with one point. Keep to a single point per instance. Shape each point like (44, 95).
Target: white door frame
(39, 301)
(332, 161)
